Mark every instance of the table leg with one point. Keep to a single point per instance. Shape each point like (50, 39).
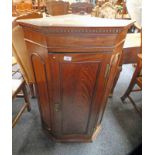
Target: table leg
(115, 80)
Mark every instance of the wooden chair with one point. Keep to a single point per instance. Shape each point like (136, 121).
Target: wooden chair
(14, 61)
(15, 69)
(136, 80)
(55, 8)
(20, 51)
(19, 85)
(81, 7)
(41, 6)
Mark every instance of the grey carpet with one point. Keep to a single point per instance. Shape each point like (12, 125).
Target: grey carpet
(121, 128)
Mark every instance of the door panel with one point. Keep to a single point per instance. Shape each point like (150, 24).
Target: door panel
(77, 86)
(75, 80)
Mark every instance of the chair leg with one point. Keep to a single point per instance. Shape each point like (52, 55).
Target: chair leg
(19, 114)
(26, 105)
(115, 80)
(133, 103)
(129, 90)
(26, 98)
(32, 90)
(132, 83)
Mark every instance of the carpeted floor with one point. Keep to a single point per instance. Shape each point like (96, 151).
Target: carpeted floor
(121, 128)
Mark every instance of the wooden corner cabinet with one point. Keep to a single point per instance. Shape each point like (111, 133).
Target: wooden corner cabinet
(75, 60)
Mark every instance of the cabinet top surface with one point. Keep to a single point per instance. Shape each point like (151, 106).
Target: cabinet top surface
(75, 21)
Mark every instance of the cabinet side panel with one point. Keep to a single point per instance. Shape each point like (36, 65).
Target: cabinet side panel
(42, 90)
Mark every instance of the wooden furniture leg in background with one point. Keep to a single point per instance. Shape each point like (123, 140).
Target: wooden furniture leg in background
(136, 79)
(32, 90)
(26, 98)
(20, 85)
(115, 80)
(20, 55)
(133, 80)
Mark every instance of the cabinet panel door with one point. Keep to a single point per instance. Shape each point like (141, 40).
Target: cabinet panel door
(77, 91)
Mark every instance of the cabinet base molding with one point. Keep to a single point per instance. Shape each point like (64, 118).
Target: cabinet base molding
(73, 138)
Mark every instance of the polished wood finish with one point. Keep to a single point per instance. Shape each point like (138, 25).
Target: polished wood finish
(55, 8)
(74, 61)
(81, 7)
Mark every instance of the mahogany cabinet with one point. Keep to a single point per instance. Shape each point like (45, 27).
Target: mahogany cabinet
(74, 60)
